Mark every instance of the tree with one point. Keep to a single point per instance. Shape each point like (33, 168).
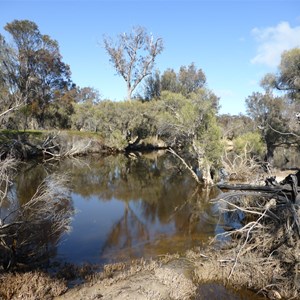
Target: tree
(34, 69)
(288, 77)
(88, 94)
(169, 81)
(188, 80)
(133, 56)
(234, 126)
(269, 114)
(10, 99)
(152, 88)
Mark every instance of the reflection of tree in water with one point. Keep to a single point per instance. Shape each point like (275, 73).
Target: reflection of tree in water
(160, 199)
(125, 235)
(120, 177)
(186, 207)
(159, 186)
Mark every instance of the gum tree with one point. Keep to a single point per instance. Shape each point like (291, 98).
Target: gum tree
(133, 55)
(287, 78)
(33, 69)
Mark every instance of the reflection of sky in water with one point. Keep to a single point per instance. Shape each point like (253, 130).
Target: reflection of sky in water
(90, 227)
(102, 231)
(128, 208)
(131, 209)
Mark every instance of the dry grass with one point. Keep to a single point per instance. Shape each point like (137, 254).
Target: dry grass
(264, 253)
(30, 286)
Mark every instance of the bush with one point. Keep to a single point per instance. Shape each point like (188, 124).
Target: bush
(250, 141)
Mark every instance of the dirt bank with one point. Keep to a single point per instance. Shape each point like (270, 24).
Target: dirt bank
(143, 281)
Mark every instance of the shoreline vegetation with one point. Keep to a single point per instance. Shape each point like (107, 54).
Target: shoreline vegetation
(45, 115)
(261, 255)
(59, 144)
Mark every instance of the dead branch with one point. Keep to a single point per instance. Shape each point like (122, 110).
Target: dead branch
(284, 133)
(189, 168)
(29, 232)
(6, 166)
(270, 223)
(240, 167)
(55, 148)
(19, 102)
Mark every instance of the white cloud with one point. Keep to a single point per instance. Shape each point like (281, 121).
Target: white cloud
(272, 41)
(224, 93)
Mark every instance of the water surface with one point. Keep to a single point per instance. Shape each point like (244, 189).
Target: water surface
(127, 208)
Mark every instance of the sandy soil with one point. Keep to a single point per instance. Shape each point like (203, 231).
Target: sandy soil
(151, 281)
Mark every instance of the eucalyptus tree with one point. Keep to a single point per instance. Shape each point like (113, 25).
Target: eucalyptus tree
(277, 116)
(133, 55)
(152, 87)
(169, 81)
(287, 78)
(34, 69)
(10, 100)
(270, 115)
(188, 80)
(191, 79)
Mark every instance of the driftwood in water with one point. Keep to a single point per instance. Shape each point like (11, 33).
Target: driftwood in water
(258, 188)
(290, 186)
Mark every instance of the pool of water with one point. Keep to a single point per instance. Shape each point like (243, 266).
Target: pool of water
(126, 208)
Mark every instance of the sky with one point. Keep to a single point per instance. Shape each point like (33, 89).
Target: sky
(234, 42)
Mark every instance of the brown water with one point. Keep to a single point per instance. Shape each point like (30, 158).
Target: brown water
(128, 208)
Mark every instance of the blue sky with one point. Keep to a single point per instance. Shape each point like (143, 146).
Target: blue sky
(234, 42)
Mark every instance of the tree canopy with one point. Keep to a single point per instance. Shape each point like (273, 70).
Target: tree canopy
(287, 78)
(133, 55)
(32, 69)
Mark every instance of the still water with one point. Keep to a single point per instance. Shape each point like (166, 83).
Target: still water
(126, 208)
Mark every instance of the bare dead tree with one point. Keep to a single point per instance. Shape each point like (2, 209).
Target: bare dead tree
(133, 56)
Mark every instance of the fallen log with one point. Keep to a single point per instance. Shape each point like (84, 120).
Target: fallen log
(289, 186)
(258, 188)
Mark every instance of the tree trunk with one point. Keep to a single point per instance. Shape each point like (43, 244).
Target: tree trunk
(205, 166)
(129, 93)
(269, 158)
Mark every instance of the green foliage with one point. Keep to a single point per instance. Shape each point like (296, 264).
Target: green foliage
(210, 139)
(235, 126)
(188, 80)
(251, 142)
(169, 81)
(174, 119)
(273, 117)
(152, 87)
(33, 71)
(116, 140)
(288, 77)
